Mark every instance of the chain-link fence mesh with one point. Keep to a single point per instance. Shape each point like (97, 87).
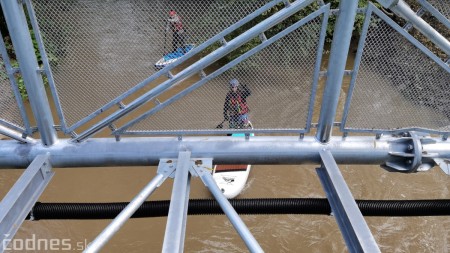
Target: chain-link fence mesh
(442, 6)
(398, 86)
(100, 49)
(435, 23)
(9, 110)
(279, 77)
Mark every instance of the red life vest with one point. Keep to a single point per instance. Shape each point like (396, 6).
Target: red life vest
(177, 25)
(238, 105)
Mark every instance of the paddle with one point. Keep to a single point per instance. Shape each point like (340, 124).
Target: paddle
(165, 37)
(221, 124)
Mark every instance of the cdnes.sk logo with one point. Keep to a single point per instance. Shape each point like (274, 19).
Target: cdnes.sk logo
(41, 244)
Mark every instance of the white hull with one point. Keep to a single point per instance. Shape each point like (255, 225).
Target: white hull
(232, 182)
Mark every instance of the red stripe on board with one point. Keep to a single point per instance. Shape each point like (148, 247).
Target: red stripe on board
(233, 167)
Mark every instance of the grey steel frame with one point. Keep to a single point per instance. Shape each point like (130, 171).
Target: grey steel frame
(402, 9)
(47, 69)
(399, 7)
(146, 151)
(372, 9)
(204, 172)
(182, 169)
(348, 216)
(18, 202)
(12, 127)
(336, 68)
(166, 71)
(127, 212)
(12, 80)
(197, 67)
(16, 135)
(176, 219)
(324, 10)
(21, 38)
(435, 13)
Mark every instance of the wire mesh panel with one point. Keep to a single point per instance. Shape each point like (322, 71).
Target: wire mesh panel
(9, 110)
(279, 79)
(442, 6)
(399, 84)
(100, 49)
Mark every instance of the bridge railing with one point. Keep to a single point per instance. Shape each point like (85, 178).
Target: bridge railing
(398, 84)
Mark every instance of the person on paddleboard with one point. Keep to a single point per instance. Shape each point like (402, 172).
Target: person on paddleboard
(176, 26)
(235, 108)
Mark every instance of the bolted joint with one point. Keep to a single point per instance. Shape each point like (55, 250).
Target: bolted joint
(406, 153)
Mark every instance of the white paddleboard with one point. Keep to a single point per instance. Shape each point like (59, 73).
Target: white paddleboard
(231, 179)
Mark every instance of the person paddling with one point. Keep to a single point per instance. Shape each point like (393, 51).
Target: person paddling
(235, 108)
(175, 24)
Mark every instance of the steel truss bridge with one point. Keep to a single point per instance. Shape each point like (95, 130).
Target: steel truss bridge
(93, 58)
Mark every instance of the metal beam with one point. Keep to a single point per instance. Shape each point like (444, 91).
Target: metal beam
(10, 71)
(336, 68)
(256, 150)
(18, 202)
(204, 172)
(126, 213)
(430, 8)
(146, 151)
(354, 228)
(402, 9)
(46, 63)
(15, 135)
(176, 220)
(23, 46)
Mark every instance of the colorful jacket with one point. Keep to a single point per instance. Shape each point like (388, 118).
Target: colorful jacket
(236, 102)
(175, 24)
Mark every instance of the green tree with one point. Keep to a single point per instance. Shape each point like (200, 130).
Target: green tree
(359, 20)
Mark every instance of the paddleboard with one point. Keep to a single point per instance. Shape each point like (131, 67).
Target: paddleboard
(231, 179)
(173, 56)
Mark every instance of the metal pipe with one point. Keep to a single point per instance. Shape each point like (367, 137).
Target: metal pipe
(233, 216)
(23, 46)
(430, 8)
(336, 68)
(144, 151)
(126, 213)
(176, 220)
(402, 9)
(198, 66)
(46, 62)
(15, 87)
(15, 135)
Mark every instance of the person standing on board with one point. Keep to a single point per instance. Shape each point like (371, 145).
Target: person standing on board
(174, 23)
(235, 108)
